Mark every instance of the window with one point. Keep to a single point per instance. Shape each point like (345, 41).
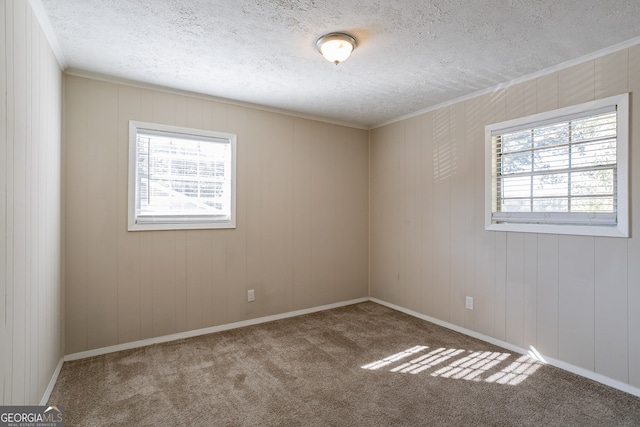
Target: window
(180, 178)
(563, 171)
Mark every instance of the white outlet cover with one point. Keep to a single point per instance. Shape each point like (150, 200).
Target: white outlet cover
(469, 303)
(251, 296)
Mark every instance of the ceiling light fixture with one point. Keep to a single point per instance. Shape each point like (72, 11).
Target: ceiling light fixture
(336, 47)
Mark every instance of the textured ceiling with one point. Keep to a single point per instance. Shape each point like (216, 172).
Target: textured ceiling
(412, 54)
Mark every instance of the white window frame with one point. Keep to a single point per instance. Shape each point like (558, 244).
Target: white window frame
(176, 222)
(564, 223)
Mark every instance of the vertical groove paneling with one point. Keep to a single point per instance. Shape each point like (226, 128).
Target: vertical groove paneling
(576, 84)
(539, 294)
(473, 217)
(484, 296)
(9, 170)
(234, 120)
(457, 203)
(180, 272)
(514, 96)
(385, 211)
(155, 283)
(214, 298)
(633, 307)
(30, 282)
(611, 332)
(350, 215)
(548, 292)
(514, 328)
(500, 286)
(277, 219)
(412, 251)
(162, 283)
(611, 279)
(323, 184)
(194, 283)
(497, 110)
(633, 255)
(515, 281)
(52, 239)
(303, 215)
(339, 174)
(577, 254)
(146, 259)
(255, 209)
(611, 74)
(33, 171)
(400, 159)
(4, 333)
(498, 113)
(573, 298)
(163, 243)
(20, 207)
(530, 94)
(444, 163)
(547, 93)
(530, 297)
(128, 244)
(428, 250)
(576, 300)
(76, 215)
(101, 211)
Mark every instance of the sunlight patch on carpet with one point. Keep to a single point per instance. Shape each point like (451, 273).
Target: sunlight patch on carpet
(487, 366)
(394, 358)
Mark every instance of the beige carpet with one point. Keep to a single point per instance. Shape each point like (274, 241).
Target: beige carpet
(362, 365)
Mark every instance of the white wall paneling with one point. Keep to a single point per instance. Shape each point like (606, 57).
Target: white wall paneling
(5, 331)
(458, 251)
(302, 204)
(576, 283)
(325, 212)
(633, 255)
(574, 299)
(427, 225)
(31, 340)
(412, 224)
(611, 312)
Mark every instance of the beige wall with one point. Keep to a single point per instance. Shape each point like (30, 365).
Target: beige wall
(576, 299)
(31, 306)
(301, 239)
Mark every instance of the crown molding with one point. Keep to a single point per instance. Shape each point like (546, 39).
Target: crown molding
(47, 29)
(562, 66)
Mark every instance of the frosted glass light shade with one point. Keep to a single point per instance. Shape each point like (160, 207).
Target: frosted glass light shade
(336, 47)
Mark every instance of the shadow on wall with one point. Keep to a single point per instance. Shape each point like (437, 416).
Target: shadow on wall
(445, 161)
(487, 366)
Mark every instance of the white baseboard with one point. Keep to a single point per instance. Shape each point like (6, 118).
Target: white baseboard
(52, 383)
(204, 331)
(188, 334)
(545, 359)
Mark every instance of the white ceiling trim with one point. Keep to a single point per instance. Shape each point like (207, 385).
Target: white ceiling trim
(563, 66)
(204, 97)
(567, 64)
(352, 108)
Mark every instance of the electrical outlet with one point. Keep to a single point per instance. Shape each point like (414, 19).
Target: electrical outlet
(469, 303)
(251, 295)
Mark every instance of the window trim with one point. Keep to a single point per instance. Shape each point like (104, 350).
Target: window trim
(195, 223)
(559, 226)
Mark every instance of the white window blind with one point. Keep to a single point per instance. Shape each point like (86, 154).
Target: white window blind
(181, 177)
(562, 169)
